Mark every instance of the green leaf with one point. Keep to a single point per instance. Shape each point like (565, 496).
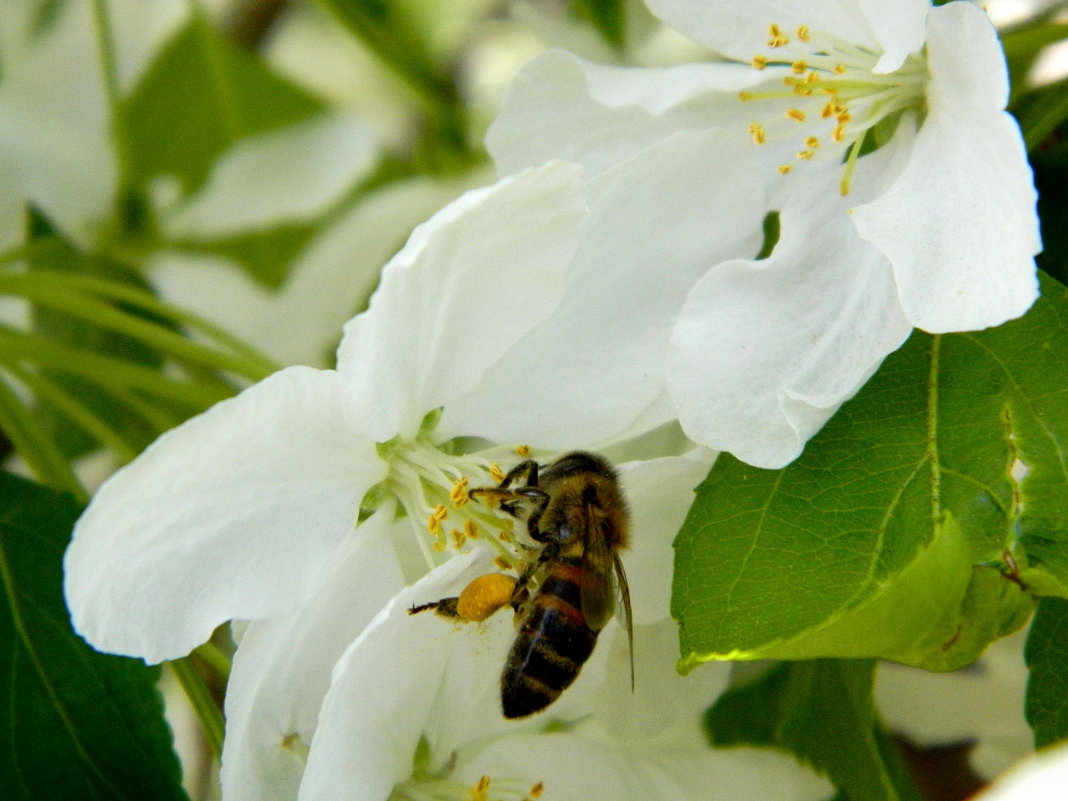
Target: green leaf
(608, 16)
(822, 712)
(61, 256)
(916, 526)
(1046, 655)
(79, 725)
(201, 95)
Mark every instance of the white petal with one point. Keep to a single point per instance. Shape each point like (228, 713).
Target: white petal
(657, 223)
(765, 351)
(739, 28)
(590, 104)
(476, 277)
(959, 224)
(234, 514)
(899, 27)
(660, 492)
(284, 175)
(387, 690)
(663, 706)
(282, 668)
(574, 767)
(1042, 777)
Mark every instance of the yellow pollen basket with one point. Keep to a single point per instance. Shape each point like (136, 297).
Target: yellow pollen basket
(484, 596)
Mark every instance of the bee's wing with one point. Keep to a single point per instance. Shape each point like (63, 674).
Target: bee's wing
(602, 572)
(597, 586)
(628, 620)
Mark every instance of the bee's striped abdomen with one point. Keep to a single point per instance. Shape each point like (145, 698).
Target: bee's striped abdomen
(553, 643)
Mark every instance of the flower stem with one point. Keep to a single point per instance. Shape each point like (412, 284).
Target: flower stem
(202, 701)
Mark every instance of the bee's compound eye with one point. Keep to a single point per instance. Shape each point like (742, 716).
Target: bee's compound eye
(485, 595)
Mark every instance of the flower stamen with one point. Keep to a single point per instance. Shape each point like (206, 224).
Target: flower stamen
(835, 94)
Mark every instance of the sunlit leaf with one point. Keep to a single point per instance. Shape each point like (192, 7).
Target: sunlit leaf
(916, 526)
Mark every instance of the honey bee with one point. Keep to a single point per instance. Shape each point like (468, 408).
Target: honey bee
(574, 510)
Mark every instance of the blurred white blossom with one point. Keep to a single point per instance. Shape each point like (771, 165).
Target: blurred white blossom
(934, 229)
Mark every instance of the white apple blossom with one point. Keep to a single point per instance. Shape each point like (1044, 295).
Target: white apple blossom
(280, 506)
(935, 229)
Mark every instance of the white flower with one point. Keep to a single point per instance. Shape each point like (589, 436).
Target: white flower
(936, 229)
(939, 709)
(413, 714)
(1040, 778)
(279, 506)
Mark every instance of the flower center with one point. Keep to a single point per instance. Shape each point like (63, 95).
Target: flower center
(833, 100)
(446, 789)
(431, 483)
(439, 785)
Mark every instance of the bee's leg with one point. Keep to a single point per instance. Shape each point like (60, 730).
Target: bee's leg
(446, 607)
(524, 503)
(547, 554)
(528, 468)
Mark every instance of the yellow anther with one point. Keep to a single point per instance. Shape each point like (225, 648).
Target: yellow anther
(830, 109)
(502, 563)
(839, 69)
(776, 38)
(798, 67)
(838, 134)
(458, 537)
(433, 525)
(506, 536)
(536, 790)
(796, 114)
(759, 62)
(745, 96)
(478, 792)
(844, 117)
(439, 545)
(803, 33)
(522, 451)
(784, 169)
(756, 130)
(806, 154)
(812, 143)
(471, 529)
(458, 494)
(496, 473)
(812, 77)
